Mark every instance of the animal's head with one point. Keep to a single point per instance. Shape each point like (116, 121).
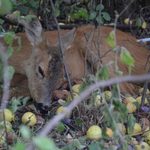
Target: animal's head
(45, 66)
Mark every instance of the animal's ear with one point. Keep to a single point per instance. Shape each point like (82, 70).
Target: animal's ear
(33, 30)
(67, 39)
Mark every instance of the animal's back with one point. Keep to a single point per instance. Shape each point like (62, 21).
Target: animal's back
(91, 46)
(83, 45)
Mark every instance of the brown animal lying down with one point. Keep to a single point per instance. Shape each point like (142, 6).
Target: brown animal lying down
(40, 60)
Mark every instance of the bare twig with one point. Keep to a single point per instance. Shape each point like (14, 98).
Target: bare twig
(125, 8)
(6, 132)
(6, 80)
(144, 91)
(115, 39)
(61, 46)
(6, 85)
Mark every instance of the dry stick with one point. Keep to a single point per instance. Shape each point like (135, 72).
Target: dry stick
(6, 132)
(6, 80)
(144, 92)
(61, 47)
(145, 86)
(101, 84)
(115, 39)
(6, 85)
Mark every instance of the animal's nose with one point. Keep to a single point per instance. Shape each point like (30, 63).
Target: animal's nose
(43, 108)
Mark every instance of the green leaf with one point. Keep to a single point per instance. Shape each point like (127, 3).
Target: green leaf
(15, 103)
(77, 144)
(131, 123)
(80, 14)
(44, 143)
(24, 100)
(11, 72)
(24, 10)
(9, 37)
(111, 39)
(1, 21)
(92, 15)
(34, 4)
(121, 108)
(1, 71)
(79, 122)
(5, 6)
(100, 19)
(106, 16)
(138, 22)
(60, 127)
(83, 13)
(28, 18)
(10, 51)
(25, 132)
(57, 12)
(19, 146)
(95, 146)
(99, 7)
(126, 58)
(103, 73)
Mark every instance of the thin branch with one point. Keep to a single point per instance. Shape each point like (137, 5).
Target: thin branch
(61, 46)
(125, 8)
(6, 80)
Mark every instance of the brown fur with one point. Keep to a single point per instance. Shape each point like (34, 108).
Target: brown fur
(81, 50)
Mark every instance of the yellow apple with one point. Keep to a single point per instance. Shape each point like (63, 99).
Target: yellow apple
(29, 119)
(94, 133)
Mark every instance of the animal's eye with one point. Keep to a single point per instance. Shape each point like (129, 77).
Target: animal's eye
(40, 72)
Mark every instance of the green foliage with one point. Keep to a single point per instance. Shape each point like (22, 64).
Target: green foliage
(1, 23)
(5, 7)
(19, 146)
(79, 122)
(1, 71)
(95, 146)
(60, 127)
(138, 22)
(111, 39)
(103, 73)
(26, 6)
(99, 15)
(79, 14)
(9, 37)
(43, 143)
(126, 58)
(25, 132)
(15, 103)
(130, 123)
(10, 72)
(120, 110)
(10, 51)
(75, 144)
(57, 8)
